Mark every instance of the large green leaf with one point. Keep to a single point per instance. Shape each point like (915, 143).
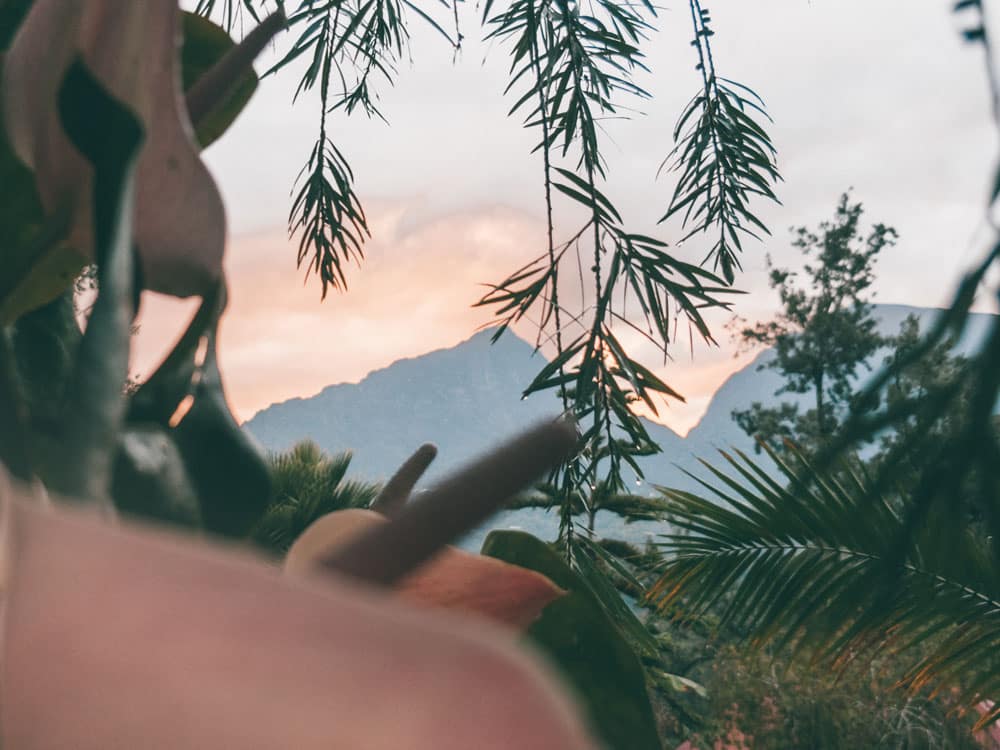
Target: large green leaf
(585, 646)
(204, 45)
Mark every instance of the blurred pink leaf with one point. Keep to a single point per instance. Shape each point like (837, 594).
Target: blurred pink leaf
(133, 49)
(132, 638)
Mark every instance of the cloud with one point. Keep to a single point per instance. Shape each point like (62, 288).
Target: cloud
(413, 294)
(879, 96)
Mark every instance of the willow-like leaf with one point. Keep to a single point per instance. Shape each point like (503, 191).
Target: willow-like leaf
(724, 158)
(351, 47)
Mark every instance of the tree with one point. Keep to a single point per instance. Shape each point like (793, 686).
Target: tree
(307, 484)
(921, 378)
(825, 332)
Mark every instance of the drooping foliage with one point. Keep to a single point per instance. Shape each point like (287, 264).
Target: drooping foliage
(570, 68)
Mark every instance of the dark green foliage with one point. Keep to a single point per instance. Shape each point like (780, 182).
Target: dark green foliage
(204, 44)
(72, 392)
(810, 561)
(307, 484)
(825, 333)
(591, 654)
(918, 380)
(724, 157)
(629, 506)
(109, 136)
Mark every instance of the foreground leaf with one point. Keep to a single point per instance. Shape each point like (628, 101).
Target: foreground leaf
(131, 49)
(40, 259)
(204, 45)
(587, 648)
(127, 638)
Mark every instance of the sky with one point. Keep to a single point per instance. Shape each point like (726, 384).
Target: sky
(880, 96)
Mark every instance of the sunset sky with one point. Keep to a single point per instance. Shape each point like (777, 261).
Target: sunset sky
(878, 95)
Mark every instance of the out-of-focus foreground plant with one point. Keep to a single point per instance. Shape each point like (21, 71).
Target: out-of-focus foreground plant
(121, 636)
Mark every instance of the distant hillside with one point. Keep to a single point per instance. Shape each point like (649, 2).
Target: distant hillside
(716, 428)
(468, 397)
(464, 399)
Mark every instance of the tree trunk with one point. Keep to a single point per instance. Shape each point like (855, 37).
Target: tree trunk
(820, 417)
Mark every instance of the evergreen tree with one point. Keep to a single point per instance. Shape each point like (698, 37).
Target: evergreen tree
(824, 333)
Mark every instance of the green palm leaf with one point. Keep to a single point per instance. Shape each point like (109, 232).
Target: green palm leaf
(813, 563)
(308, 484)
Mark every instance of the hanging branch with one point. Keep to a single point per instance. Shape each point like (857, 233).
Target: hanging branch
(351, 43)
(724, 157)
(572, 68)
(230, 12)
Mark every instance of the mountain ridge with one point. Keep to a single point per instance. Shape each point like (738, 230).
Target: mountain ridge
(466, 398)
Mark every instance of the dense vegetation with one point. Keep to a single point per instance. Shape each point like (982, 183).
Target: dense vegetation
(879, 565)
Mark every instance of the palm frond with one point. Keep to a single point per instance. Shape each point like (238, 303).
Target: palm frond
(307, 484)
(810, 561)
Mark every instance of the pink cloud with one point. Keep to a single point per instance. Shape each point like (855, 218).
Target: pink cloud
(413, 294)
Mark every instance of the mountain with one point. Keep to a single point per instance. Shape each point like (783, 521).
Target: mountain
(464, 399)
(467, 398)
(755, 382)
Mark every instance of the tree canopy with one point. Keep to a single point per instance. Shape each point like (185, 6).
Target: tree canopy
(825, 332)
